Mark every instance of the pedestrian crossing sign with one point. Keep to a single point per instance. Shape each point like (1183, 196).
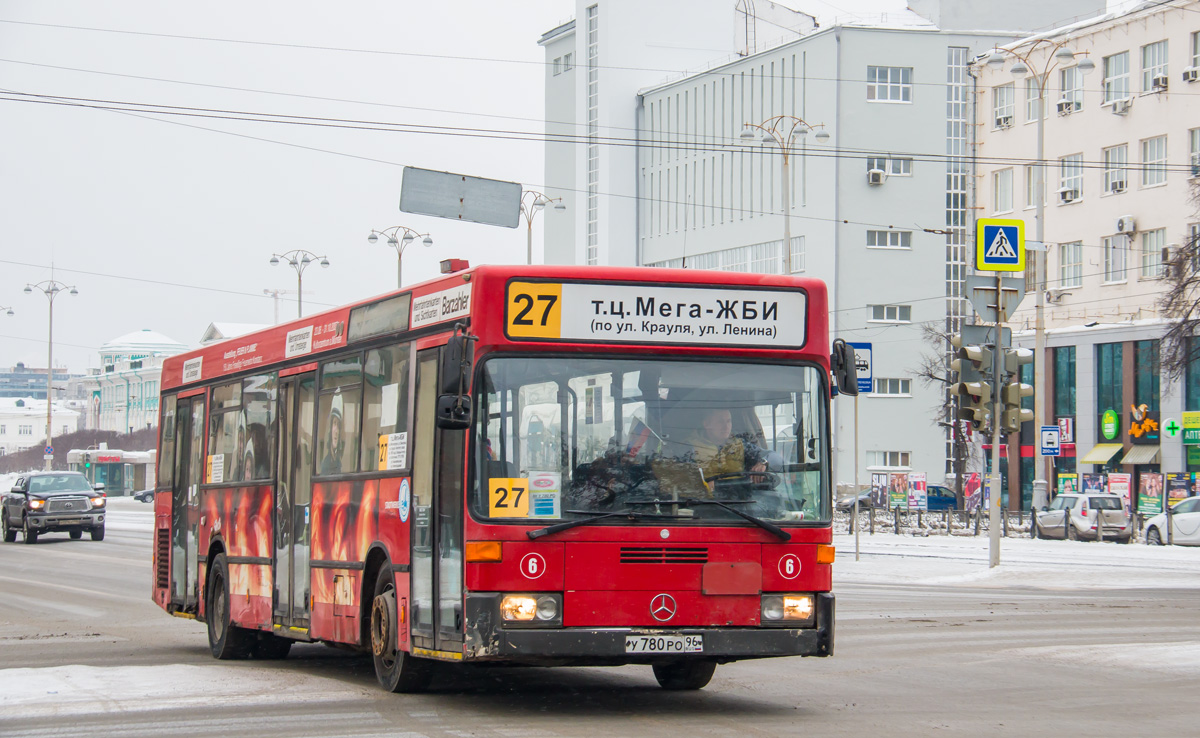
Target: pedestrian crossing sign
(999, 245)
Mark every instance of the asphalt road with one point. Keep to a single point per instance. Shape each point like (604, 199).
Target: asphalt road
(83, 650)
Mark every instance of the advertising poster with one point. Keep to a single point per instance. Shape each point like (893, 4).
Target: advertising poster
(879, 490)
(918, 497)
(1068, 483)
(1119, 484)
(897, 490)
(973, 492)
(1150, 494)
(1178, 487)
(1093, 483)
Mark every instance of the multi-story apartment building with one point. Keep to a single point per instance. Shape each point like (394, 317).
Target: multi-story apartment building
(122, 394)
(22, 381)
(880, 211)
(23, 423)
(1122, 157)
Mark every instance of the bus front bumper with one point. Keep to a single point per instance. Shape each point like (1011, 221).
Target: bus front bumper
(489, 640)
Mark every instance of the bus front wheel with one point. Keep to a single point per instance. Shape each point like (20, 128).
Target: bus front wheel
(684, 674)
(396, 670)
(226, 640)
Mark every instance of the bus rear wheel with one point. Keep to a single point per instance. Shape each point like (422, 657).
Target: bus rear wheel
(226, 640)
(680, 675)
(396, 670)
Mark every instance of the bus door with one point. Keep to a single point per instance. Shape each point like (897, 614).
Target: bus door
(185, 501)
(437, 532)
(293, 497)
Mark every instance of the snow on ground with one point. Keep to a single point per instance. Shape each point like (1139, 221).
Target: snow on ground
(1173, 658)
(77, 690)
(1024, 562)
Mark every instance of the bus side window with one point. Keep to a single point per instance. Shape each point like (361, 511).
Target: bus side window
(226, 432)
(338, 415)
(259, 400)
(385, 403)
(166, 444)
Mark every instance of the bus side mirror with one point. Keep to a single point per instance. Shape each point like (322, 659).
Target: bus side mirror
(454, 378)
(841, 363)
(454, 412)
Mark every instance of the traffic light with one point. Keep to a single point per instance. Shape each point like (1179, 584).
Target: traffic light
(973, 364)
(1014, 391)
(87, 461)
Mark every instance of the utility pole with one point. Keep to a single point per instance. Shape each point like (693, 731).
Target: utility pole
(275, 295)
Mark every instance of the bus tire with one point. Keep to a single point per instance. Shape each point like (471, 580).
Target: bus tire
(396, 670)
(681, 675)
(226, 640)
(270, 647)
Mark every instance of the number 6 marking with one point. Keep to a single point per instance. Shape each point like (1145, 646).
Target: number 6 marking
(789, 566)
(533, 565)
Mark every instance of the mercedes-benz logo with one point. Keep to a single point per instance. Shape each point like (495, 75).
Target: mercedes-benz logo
(662, 607)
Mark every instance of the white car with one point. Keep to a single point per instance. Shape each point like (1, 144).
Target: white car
(1074, 517)
(1185, 524)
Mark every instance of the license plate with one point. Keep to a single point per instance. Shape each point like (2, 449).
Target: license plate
(664, 644)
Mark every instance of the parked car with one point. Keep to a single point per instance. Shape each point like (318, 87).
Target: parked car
(864, 501)
(941, 498)
(48, 502)
(145, 495)
(1185, 524)
(1074, 517)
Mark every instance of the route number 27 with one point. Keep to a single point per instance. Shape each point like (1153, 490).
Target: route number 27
(508, 498)
(534, 310)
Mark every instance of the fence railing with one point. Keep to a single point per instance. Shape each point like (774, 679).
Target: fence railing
(874, 521)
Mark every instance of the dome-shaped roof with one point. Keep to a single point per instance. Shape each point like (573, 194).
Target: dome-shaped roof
(143, 341)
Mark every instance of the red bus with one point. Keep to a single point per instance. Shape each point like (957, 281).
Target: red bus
(531, 465)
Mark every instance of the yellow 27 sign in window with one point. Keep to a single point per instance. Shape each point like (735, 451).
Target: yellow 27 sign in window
(533, 310)
(508, 498)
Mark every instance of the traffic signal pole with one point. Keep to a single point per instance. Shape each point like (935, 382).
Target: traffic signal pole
(997, 386)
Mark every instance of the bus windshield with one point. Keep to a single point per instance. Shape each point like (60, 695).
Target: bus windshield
(560, 437)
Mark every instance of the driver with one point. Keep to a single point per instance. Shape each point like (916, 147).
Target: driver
(717, 451)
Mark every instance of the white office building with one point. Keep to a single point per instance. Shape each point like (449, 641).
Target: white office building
(880, 211)
(23, 423)
(122, 394)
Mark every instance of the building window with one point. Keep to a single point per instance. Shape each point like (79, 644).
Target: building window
(797, 254)
(1032, 97)
(1116, 77)
(1031, 183)
(1002, 106)
(900, 167)
(556, 67)
(1152, 247)
(1109, 378)
(1002, 191)
(1196, 48)
(1070, 178)
(889, 459)
(1071, 81)
(1146, 374)
(25, 430)
(1154, 161)
(1070, 264)
(1194, 151)
(890, 313)
(1064, 381)
(1114, 258)
(1192, 375)
(568, 62)
(893, 386)
(66, 429)
(1154, 66)
(1115, 176)
(3, 430)
(889, 84)
(592, 252)
(889, 239)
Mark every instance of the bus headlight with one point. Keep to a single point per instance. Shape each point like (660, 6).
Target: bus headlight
(790, 609)
(541, 609)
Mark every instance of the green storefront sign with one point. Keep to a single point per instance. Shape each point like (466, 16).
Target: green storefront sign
(1110, 424)
(1191, 429)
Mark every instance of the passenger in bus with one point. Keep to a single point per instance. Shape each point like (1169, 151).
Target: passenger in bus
(715, 448)
(335, 444)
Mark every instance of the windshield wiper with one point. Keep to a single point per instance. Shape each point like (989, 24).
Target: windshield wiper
(558, 527)
(771, 528)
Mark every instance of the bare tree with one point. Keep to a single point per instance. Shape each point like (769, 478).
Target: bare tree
(1180, 303)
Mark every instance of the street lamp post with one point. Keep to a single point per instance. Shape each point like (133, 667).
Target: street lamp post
(399, 237)
(533, 202)
(788, 132)
(51, 288)
(299, 259)
(1057, 53)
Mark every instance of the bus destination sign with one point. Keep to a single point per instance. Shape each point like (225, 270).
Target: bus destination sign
(652, 313)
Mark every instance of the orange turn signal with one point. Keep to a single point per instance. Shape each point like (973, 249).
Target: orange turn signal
(825, 554)
(483, 551)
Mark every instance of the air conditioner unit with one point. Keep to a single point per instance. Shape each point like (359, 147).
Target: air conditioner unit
(875, 176)
(1117, 186)
(1159, 82)
(1121, 107)
(1126, 224)
(1191, 74)
(1169, 252)
(1065, 107)
(1067, 194)
(1004, 121)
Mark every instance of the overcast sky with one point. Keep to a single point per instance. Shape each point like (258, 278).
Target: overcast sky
(195, 207)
